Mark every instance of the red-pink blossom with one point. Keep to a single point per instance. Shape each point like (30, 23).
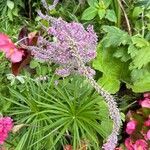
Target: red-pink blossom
(9, 48)
(129, 144)
(131, 126)
(147, 123)
(140, 145)
(147, 95)
(6, 124)
(148, 135)
(145, 103)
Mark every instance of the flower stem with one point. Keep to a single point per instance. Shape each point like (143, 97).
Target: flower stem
(112, 105)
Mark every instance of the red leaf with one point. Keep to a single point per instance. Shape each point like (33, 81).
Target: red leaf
(24, 36)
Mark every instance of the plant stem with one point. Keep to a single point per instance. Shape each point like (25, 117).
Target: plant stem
(112, 105)
(126, 17)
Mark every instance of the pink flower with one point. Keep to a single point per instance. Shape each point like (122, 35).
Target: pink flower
(146, 103)
(140, 145)
(131, 126)
(147, 123)
(10, 49)
(129, 144)
(147, 95)
(148, 135)
(6, 124)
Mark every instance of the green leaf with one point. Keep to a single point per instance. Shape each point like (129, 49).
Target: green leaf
(89, 13)
(132, 50)
(142, 57)
(9, 14)
(143, 85)
(104, 3)
(139, 41)
(111, 16)
(10, 4)
(101, 13)
(122, 53)
(115, 37)
(112, 85)
(114, 71)
(92, 3)
(136, 12)
(34, 64)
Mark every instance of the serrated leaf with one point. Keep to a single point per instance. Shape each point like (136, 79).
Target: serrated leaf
(111, 16)
(101, 13)
(142, 85)
(115, 37)
(10, 4)
(109, 84)
(139, 41)
(122, 53)
(132, 50)
(142, 57)
(89, 13)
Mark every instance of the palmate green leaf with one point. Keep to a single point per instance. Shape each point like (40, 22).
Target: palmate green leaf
(115, 37)
(114, 71)
(51, 112)
(89, 13)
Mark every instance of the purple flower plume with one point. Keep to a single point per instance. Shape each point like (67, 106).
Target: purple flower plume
(61, 37)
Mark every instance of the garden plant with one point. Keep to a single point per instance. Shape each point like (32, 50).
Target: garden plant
(75, 75)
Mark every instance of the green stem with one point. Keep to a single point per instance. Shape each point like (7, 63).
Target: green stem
(117, 9)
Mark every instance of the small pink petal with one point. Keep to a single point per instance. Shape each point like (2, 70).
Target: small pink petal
(129, 144)
(148, 135)
(146, 103)
(140, 145)
(131, 126)
(16, 56)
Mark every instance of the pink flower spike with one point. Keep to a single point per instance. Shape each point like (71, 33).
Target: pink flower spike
(129, 144)
(131, 126)
(140, 145)
(148, 135)
(146, 103)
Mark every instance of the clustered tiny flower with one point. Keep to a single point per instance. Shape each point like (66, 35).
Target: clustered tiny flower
(6, 125)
